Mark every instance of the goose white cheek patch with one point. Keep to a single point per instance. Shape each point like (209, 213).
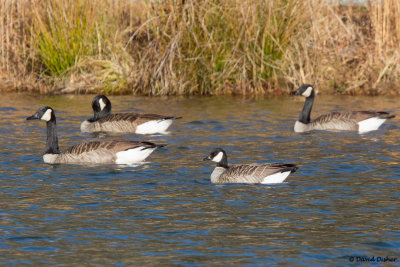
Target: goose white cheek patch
(102, 104)
(307, 92)
(47, 115)
(218, 157)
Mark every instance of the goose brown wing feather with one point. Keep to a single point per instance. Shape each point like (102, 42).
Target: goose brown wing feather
(363, 115)
(332, 116)
(134, 117)
(254, 173)
(353, 116)
(347, 120)
(111, 146)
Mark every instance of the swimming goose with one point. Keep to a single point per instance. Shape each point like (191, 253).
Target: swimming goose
(104, 121)
(361, 121)
(267, 173)
(119, 152)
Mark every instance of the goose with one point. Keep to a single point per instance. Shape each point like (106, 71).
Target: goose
(360, 121)
(266, 173)
(101, 152)
(104, 121)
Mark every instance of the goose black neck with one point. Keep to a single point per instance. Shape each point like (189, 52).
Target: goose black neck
(305, 113)
(99, 115)
(223, 163)
(52, 140)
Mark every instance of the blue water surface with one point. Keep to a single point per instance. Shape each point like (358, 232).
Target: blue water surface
(343, 202)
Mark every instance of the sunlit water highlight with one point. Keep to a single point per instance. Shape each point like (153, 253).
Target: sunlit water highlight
(342, 202)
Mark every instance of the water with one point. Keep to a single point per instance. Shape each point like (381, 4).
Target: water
(343, 202)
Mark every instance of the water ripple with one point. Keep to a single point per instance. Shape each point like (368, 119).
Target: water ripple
(342, 202)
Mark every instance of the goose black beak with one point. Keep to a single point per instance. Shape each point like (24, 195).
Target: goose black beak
(207, 158)
(33, 117)
(296, 92)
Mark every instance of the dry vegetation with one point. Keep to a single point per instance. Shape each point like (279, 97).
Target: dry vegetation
(185, 47)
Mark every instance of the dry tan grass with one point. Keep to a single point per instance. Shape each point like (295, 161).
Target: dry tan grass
(199, 47)
(341, 54)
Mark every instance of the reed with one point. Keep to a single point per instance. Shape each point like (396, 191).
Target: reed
(189, 47)
(65, 33)
(222, 46)
(386, 22)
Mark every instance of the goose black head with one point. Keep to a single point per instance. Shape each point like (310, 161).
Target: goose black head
(43, 113)
(219, 156)
(305, 90)
(101, 108)
(101, 104)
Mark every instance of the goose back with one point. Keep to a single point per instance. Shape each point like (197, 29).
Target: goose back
(127, 122)
(250, 173)
(347, 120)
(102, 152)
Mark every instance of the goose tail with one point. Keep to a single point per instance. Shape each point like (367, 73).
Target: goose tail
(289, 167)
(172, 118)
(385, 115)
(150, 145)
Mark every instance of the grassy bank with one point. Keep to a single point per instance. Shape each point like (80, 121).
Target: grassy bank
(198, 47)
